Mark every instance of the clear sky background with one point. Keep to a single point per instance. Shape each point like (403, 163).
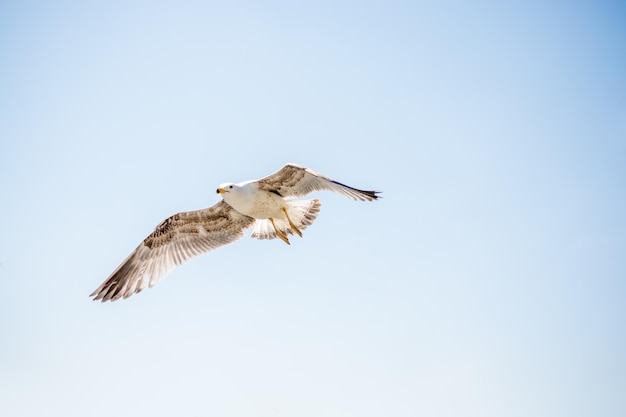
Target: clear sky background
(489, 281)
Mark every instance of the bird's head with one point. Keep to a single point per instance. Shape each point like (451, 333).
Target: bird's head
(226, 188)
(231, 193)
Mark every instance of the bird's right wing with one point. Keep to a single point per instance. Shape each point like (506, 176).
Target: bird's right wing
(174, 241)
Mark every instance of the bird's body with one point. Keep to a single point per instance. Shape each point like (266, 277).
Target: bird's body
(260, 203)
(248, 199)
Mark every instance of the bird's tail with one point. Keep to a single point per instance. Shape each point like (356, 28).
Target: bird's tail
(301, 212)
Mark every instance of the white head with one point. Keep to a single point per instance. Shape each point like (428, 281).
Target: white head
(225, 187)
(229, 191)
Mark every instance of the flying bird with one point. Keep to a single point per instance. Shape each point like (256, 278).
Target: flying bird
(263, 204)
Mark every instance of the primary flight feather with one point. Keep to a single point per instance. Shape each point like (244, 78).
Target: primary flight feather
(260, 203)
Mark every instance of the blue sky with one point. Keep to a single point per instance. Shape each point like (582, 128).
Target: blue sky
(489, 281)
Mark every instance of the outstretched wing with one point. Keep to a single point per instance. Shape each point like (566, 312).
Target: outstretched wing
(174, 241)
(294, 180)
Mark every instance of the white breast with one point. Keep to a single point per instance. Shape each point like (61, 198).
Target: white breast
(256, 203)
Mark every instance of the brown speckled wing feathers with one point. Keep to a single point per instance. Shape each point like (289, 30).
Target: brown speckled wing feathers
(294, 180)
(174, 241)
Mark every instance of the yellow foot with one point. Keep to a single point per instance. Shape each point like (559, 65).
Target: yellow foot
(279, 233)
(293, 226)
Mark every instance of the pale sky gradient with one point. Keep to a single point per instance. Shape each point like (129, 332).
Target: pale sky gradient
(490, 280)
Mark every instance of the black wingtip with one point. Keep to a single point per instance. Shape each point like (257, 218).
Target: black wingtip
(358, 194)
(374, 194)
(368, 195)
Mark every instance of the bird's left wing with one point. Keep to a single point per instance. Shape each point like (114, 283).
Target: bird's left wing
(174, 241)
(294, 180)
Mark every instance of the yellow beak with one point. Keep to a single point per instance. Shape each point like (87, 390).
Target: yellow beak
(221, 191)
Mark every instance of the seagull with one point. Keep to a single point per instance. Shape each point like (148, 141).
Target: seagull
(264, 204)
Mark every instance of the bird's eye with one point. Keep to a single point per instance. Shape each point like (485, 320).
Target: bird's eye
(230, 186)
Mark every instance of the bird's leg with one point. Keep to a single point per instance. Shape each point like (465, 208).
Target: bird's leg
(293, 226)
(279, 233)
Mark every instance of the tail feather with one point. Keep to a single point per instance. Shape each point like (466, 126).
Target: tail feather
(301, 212)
